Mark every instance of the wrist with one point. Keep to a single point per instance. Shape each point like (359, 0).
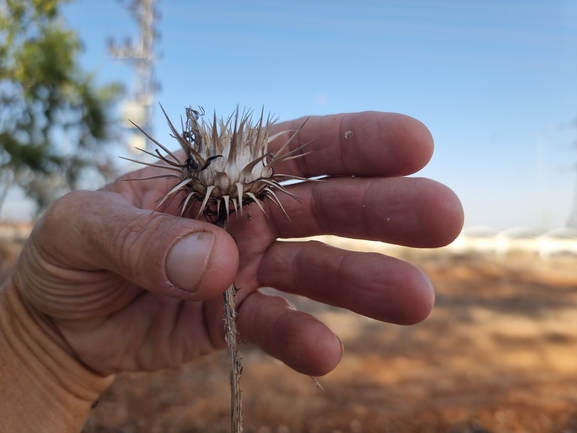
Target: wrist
(42, 386)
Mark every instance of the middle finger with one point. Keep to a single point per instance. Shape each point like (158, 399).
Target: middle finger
(406, 211)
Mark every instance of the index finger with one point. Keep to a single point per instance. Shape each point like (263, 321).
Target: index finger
(370, 143)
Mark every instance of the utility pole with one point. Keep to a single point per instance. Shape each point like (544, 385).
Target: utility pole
(141, 56)
(541, 184)
(572, 221)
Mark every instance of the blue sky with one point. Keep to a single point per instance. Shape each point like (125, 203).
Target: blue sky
(495, 81)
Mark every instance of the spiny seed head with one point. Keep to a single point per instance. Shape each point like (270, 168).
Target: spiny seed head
(226, 164)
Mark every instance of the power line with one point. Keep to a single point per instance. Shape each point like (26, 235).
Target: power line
(141, 56)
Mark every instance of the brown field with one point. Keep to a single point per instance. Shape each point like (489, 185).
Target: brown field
(498, 354)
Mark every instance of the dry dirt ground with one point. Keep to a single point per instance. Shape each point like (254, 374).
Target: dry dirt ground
(498, 354)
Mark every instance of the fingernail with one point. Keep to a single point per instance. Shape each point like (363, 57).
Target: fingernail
(187, 260)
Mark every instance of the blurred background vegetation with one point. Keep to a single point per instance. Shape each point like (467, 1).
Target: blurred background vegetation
(55, 121)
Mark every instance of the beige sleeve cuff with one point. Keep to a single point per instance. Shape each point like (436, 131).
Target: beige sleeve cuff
(42, 386)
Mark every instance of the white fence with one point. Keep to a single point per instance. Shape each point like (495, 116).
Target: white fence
(485, 240)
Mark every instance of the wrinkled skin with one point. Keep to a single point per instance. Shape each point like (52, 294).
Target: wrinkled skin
(102, 271)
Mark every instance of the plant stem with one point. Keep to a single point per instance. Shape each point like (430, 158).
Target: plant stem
(234, 360)
(235, 366)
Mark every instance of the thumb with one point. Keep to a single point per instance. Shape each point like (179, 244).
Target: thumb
(165, 254)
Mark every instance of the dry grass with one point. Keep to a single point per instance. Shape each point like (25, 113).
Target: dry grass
(498, 354)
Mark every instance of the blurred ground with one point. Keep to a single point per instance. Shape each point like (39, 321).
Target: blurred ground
(498, 354)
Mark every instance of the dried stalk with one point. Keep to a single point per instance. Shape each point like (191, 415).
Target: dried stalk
(234, 359)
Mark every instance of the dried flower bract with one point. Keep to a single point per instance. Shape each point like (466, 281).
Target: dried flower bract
(226, 164)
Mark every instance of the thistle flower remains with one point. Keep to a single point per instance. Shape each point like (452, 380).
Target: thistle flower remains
(226, 166)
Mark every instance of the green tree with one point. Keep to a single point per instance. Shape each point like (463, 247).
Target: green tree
(54, 119)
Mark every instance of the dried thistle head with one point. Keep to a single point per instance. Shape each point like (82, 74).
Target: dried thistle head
(226, 164)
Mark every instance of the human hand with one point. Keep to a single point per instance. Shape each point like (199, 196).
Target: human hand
(125, 288)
